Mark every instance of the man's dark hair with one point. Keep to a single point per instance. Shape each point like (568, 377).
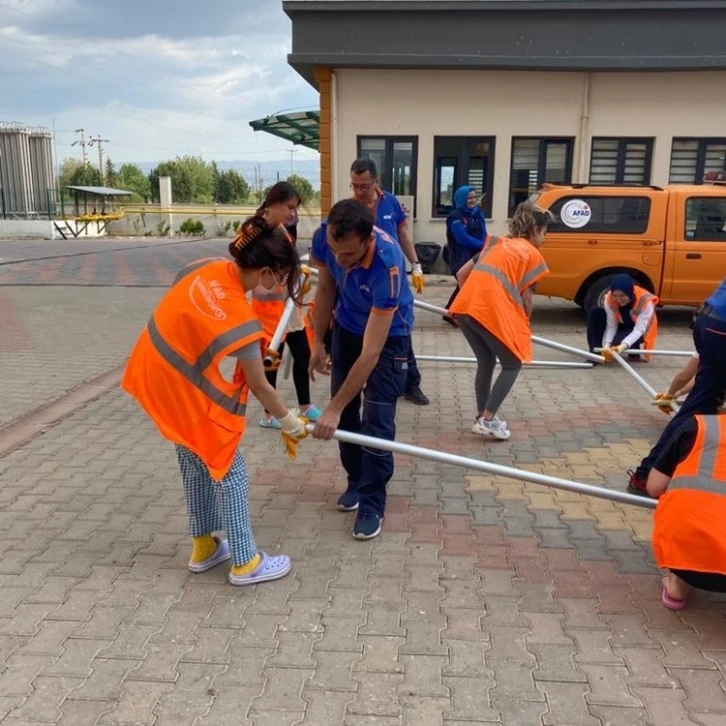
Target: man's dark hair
(363, 165)
(350, 218)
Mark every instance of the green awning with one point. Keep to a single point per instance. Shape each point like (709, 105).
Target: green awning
(301, 128)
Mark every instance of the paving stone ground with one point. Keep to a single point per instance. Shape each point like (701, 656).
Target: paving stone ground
(486, 600)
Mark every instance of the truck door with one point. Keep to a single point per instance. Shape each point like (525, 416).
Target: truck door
(696, 246)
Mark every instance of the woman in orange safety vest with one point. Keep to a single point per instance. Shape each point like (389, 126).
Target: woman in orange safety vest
(689, 536)
(494, 307)
(627, 320)
(173, 373)
(281, 208)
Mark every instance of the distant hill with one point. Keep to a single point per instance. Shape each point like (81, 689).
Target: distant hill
(310, 169)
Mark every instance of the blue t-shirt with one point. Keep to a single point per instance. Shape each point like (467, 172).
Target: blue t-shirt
(378, 281)
(389, 215)
(718, 300)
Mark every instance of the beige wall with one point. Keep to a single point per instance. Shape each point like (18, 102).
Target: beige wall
(507, 104)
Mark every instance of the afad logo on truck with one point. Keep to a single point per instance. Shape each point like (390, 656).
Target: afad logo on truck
(576, 213)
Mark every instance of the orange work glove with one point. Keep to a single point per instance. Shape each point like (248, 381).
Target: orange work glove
(275, 361)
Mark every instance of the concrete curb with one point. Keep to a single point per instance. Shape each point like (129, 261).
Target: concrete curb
(22, 430)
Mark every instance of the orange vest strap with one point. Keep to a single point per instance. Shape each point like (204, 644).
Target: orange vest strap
(194, 373)
(194, 266)
(709, 470)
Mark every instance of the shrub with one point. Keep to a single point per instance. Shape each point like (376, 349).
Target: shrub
(192, 227)
(163, 228)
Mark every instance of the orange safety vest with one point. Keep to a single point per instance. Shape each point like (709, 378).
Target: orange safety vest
(492, 294)
(173, 371)
(642, 298)
(690, 521)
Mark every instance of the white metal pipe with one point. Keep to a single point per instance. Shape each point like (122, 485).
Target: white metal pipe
(277, 338)
(568, 349)
(489, 468)
(535, 339)
(637, 351)
(639, 379)
(533, 364)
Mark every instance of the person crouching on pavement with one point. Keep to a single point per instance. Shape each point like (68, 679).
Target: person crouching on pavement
(173, 373)
(362, 274)
(627, 320)
(689, 536)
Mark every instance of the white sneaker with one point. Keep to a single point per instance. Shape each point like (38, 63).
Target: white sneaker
(495, 428)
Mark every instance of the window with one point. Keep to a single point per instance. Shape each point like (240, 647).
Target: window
(613, 215)
(396, 159)
(694, 161)
(621, 161)
(460, 161)
(706, 219)
(536, 161)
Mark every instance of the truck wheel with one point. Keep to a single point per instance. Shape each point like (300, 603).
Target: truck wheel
(595, 294)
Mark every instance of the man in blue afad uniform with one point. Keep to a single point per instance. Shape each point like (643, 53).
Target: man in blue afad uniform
(390, 217)
(363, 275)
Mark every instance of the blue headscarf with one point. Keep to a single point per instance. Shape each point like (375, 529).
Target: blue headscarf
(460, 200)
(624, 283)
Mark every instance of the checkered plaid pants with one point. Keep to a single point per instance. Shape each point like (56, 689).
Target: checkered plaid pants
(214, 506)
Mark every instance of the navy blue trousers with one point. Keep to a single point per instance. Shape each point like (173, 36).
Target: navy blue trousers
(369, 470)
(707, 394)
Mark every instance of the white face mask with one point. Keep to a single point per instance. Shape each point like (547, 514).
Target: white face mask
(275, 282)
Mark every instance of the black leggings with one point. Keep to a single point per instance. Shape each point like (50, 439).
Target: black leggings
(298, 344)
(709, 581)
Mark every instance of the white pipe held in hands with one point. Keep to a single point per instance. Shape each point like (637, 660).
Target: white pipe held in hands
(533, 364)
(640, 380)
(639, 352)
(279, 334)
(489, 468)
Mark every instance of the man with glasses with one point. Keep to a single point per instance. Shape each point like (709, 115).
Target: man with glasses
(362, 276)
(391, 218)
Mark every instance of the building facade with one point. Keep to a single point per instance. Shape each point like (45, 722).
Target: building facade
(508, 95)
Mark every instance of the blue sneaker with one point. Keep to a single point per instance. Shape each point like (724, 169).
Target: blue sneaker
(269, 423)
(367, 524)
(313, 413)
(347, 502)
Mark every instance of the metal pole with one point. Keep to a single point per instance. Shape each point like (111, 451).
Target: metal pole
(639, 379)
(495, 469)
(431, 308)
(637, 351)
(568, 349)
(279, 332)
(533, 364)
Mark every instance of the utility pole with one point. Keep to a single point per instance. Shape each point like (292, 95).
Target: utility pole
(292, 152)
(100, 142)
(82, 143)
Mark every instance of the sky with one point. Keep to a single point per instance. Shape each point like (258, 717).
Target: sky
(156, 78)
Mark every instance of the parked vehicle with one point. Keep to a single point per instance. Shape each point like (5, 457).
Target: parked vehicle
(671, 239)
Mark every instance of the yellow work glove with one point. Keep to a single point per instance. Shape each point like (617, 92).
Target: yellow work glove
(607, 354)
(662, 400)
(305, 280)
(417, 277)
(293, 431)
(619, 349)
(275, 361)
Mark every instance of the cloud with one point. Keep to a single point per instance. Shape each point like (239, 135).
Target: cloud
(187, 78)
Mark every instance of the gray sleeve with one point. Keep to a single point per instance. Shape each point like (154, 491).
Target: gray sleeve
(251, 351)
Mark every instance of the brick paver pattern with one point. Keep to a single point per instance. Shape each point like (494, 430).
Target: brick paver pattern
(485, 600)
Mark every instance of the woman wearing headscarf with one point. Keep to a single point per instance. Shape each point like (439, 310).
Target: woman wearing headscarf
(627, 319)
(466, 233)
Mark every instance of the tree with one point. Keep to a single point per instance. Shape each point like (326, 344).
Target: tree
(217, 181)
(132, 179)
(192, 179)
(85, 175)
(110, 174)
(67, 169)
(303, 186)
(232, 189)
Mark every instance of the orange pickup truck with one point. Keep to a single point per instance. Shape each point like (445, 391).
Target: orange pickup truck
(672, 240)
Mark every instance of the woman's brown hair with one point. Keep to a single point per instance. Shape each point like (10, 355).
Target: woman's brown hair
(526, 217)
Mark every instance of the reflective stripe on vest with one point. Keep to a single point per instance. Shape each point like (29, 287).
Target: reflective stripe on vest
(512, 290)
(194, 373)
(195, 266)
(705, 480)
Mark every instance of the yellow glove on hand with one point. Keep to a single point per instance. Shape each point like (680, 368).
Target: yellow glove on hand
(304, 280)
(619, 349)
(275, 361)
(417, 277)
(607, 354)
(292, 432)
(662, 400)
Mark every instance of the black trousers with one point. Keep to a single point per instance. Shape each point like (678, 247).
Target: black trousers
(709, 581)
(298, 344)
(597, 322)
